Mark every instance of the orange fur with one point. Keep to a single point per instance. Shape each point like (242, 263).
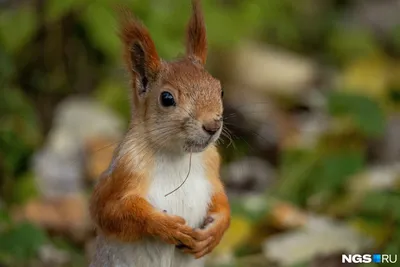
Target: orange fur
(132, 30)
(196, 43)
(220, 204)
(114, 202)
(120, 211)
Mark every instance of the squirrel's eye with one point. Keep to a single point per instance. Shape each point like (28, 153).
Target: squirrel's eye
(167, 99)
(222, 93)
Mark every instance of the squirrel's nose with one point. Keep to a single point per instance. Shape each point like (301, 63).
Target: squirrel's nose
(212, 127)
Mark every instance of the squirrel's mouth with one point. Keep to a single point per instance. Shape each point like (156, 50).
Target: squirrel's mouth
(195, 146)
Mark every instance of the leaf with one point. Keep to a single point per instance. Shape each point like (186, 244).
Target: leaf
(115, 96)
(238, 232)
(336, 168)
(394, 95)
(19, 128)
(393, 248)
(19, 116)
(101, 26)
(368, 76)
(24, 189)
(296, 168)
(365, 112)
(253, 208)
(225, 29)
(373, 227)
(377, 203)
(311, 173)
(4, 218)
(12, 150)
(22, 241)
(395, 203)
(349, 44)
(7, 67)
(55, 9)
(396, 37)
(17, 27)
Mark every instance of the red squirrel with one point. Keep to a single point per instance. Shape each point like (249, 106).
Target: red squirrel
(161, 202)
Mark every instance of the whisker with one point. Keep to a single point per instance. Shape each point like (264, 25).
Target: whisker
(187, 176)
(227, 134)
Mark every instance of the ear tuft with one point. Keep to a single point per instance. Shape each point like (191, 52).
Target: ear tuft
(141, 56)
(196, 42)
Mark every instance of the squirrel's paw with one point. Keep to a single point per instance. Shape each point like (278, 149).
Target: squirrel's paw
(173, 230)
(207, 238)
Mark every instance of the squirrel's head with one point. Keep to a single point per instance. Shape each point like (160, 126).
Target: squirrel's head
(177, 105)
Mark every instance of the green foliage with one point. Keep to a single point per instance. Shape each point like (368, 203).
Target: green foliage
(297, 166)
(17, 27)
(235, 149)
(21, 242)
(7, 68)
(254, 209)
(396, 37)
(365, 112)
(116, 96)
(307, 173)
(55, 10)
(77, 259)
(101, 26)
(335, 168)
(19, 128)
(393, 247)
(281, 17)
(4, 218)
(382, 204)
(19, 115)
(225, 28)
(347, 44)
(23, 189)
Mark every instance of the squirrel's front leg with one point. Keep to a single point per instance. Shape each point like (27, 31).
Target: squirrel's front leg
(132, 218)
(217, 222)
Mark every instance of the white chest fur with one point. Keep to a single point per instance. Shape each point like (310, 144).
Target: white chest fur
(191, 200)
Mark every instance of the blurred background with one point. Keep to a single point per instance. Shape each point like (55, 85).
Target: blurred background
(312, 149)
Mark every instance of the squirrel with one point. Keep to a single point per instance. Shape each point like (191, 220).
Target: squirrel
(161, 202)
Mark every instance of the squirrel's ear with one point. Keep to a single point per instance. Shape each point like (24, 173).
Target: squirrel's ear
(196, 39)
(140, 52)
